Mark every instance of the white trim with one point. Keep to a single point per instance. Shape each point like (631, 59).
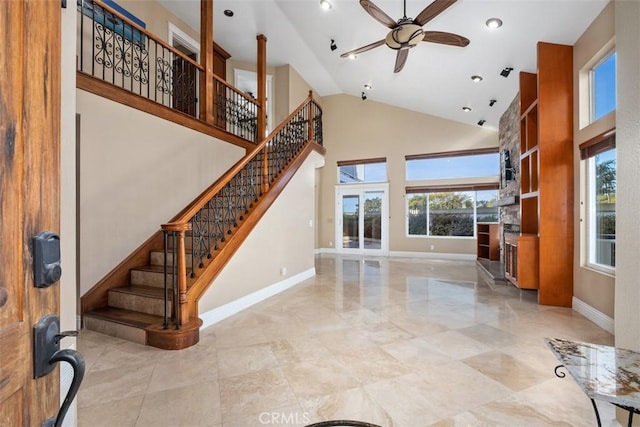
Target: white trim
(597, 317)
(184, 39)
(359, 190)
(241, 76)
(220, 313)
(434, 255)
(326, 251)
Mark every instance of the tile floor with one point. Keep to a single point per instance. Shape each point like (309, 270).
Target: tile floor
(396, 342)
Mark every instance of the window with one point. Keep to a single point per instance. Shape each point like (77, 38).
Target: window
(359, 171)
(436, 212)
(600, 155)
(603, 87)
(452, 165)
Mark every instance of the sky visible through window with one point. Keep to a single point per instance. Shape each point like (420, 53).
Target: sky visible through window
(604, 87)
(454, 167)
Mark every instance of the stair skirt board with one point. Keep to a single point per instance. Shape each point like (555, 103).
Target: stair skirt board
(220, 313)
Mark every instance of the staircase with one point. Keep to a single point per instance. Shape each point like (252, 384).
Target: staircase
(152, 296)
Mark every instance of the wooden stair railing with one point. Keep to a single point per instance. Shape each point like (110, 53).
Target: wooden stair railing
(200, 240)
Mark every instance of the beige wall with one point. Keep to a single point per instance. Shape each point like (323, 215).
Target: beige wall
(590, 286)
(356, 129)
(157, 18)
(284, 237)
(136, 172)
(627, 298)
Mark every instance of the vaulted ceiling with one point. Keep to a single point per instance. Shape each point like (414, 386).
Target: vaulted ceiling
(436, 78)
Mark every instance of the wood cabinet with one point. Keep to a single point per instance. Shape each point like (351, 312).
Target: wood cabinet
(521, 260)
(546, 179)
(489, 241)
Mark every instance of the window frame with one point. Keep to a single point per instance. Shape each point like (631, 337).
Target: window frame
(588, 152)
(592, 86)
(425, 190)
(362, 162)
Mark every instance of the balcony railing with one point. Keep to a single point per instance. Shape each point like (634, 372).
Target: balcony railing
(117, 50)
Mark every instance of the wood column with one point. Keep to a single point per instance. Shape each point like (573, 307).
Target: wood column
(262, 102)
(206, 59)
(311, 118)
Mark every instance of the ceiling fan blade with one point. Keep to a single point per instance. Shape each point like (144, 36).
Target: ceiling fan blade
(445, 38)
(377, 14)
(401, 59)
(363, 49)
(433, 10)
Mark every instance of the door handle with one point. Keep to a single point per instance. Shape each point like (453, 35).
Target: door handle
(46, 353)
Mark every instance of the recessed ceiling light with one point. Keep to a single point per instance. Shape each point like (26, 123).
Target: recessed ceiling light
(493, 23)
(325, 4)
(466, 109)
(352, 56)
(228, 12)
(367, 87)
(476, 78)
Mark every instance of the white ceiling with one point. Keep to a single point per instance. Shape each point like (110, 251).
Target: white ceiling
(435, 80)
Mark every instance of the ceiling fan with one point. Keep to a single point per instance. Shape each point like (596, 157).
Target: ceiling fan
(408, 32)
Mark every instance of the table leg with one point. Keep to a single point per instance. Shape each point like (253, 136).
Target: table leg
(630, 422)
(595, 408)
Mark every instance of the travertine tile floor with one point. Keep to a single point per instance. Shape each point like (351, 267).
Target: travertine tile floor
(397, 342)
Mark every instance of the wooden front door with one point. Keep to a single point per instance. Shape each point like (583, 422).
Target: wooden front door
(29, 198)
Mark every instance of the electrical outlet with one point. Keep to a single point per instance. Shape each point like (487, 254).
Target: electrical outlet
(330, 244)
(432, 247)
(283, 271)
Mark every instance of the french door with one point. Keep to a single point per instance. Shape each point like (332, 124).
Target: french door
(362, 219)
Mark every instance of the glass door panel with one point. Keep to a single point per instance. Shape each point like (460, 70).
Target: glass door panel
(350, 223)
(372, 219)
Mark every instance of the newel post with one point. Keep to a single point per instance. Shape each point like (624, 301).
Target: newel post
(180, 283)
(311, 118)
(206, 60)
(262, 102)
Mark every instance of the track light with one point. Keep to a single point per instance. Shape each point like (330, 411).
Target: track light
(506, 71)
(363, 96)
(333, 45)
(481, 122)
(491, 102)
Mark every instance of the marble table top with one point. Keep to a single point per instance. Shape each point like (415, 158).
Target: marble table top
(603, 372)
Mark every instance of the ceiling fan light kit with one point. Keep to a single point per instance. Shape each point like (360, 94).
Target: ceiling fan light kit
(404, 36)
(408, 32)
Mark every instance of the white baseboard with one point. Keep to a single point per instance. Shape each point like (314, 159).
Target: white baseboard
(220, 313)
(326, 251)
(597, 317)
(434, 255)
(403, 254)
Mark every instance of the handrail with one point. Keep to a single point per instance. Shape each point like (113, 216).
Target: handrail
(202, 199)
(148, 34)
(214, 215)
(239, 92)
